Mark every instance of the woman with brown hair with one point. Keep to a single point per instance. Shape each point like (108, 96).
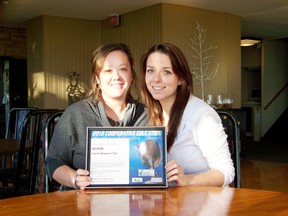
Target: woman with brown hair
(198, 152)
(109, 103)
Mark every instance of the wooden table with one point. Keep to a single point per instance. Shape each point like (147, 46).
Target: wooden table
(171, 201)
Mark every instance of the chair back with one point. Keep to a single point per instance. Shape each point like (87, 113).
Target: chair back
(48, 131)
(233, 137)
(13, 130)
(28, 164)
(240, 116)
(15, 120)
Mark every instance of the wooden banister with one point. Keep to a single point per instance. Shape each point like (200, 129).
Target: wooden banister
(278, 93)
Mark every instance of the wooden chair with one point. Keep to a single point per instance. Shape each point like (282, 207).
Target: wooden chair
(232, 130)
(50, 185)
(240, 116)
(14, 131)
(14, 126)
(37, 163)
(25, 173)
(15, 121)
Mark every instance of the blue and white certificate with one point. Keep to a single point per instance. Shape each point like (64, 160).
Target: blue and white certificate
(126, 156)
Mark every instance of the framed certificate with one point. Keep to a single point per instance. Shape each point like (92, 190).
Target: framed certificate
(126, 157)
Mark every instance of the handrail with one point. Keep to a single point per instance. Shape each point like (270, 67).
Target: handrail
(278, 93)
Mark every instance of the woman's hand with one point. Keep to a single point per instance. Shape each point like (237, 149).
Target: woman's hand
(81, 179)
(175, 173)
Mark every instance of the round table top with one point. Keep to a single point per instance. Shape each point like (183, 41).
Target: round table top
(170, 201)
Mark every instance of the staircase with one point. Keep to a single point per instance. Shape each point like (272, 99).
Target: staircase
(279, 130)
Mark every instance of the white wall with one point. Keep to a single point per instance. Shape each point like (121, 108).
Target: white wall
(274, 78)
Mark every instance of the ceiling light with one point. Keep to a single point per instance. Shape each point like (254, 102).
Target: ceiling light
(249, 42)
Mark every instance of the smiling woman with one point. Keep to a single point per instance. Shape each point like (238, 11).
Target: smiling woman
(198, 152)
(108, 103)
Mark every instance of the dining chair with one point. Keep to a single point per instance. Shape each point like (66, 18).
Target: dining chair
(37, 161)
(15, 121)
(14, 126)
(50, 185)
(15, 129)
(13, 132)
(25, 172)
(241, 116)
(231, 128)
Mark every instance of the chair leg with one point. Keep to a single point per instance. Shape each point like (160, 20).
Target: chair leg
(3, 161)
(5, 183)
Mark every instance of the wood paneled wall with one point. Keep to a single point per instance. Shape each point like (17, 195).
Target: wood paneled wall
(65, 45)
(139, 29)
(35, 62)
(62, 45)
(222, 31)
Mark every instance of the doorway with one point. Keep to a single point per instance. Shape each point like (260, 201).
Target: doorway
(13, 87)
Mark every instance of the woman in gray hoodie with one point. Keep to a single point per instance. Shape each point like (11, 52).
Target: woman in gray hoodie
(109, 103)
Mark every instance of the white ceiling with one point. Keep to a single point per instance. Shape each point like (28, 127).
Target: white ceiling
(260, 18)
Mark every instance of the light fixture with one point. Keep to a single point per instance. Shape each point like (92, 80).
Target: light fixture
(249, 41)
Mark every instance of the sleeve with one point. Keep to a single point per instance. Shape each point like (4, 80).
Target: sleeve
(214, 146)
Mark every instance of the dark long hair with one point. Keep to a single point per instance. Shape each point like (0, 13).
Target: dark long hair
(181, 69)
(98, 58)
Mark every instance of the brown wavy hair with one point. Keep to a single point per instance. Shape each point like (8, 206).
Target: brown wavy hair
(181, 69)
(98, 58)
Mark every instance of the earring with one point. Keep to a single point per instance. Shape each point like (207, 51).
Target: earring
(133, 82)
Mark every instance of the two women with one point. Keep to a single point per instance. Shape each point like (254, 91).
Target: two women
(198, 150)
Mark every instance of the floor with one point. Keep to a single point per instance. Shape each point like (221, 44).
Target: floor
(264, 164)
(270, 151)
(264, 175)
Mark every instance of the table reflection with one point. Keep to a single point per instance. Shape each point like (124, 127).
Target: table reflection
(171, 201)
(155, 202)
(200, 202)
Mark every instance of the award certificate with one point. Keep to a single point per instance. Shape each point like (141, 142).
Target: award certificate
(126, 156)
